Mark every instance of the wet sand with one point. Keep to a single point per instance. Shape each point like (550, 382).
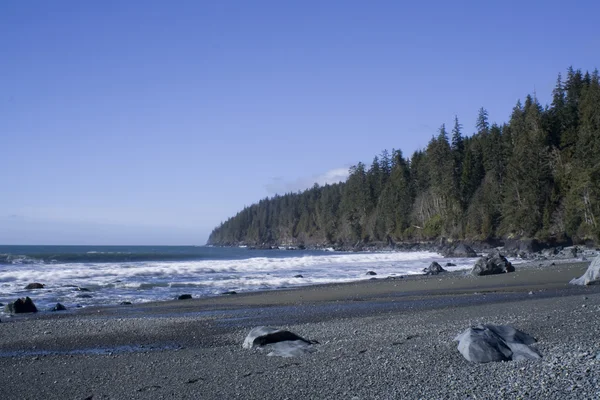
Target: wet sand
(384, 338)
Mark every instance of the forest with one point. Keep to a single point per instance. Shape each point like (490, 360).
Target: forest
(536, 176)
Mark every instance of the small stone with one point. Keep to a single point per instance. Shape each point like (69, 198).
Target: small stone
(229, 292)
(58, 307)
(184, 297)
(298, 276)
(371, 273)
(34, 285)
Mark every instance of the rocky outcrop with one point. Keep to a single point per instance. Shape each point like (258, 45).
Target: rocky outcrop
(591, 276)
(277, 342)
(487, 343)
(459, 250)
(433, 269)
(21, 306)
(34, 285)
(492, 264)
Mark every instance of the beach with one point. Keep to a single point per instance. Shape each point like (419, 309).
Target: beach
(377, 339)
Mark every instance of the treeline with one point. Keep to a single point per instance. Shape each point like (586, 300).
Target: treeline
(536, 176)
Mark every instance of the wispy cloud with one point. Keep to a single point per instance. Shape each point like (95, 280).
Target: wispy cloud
(279, 185)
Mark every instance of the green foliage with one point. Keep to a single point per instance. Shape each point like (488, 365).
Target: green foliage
(536, 176)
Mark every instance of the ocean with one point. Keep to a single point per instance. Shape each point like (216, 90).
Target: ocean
(82, 276)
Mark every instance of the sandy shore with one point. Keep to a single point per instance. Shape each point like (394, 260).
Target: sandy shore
(380, 339)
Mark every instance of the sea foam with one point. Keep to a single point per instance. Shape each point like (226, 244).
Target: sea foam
(113, 282)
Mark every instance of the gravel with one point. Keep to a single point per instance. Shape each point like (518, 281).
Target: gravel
(385, 353)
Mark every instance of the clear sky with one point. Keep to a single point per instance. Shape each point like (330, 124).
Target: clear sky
(150, 122)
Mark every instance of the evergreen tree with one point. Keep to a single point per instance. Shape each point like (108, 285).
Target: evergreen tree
(537, 176)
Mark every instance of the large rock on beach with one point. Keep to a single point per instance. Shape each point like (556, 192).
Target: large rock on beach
(487, 343)
(34, 285)
(277, 342)
(460, 250)
(21, 306)
(591, 276)
(492, 264)
(433, 269)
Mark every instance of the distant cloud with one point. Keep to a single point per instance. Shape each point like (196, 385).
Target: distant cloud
(279, 185)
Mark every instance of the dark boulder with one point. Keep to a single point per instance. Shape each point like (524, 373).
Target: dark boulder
(450, 265)
(298, 276)
(34, 285)
(278, 342)
(433, 269)
(492, 264)
(229, 292)
(486, 343)
(184, 297)
(21, 306)
(58, 307)
(460, 250)
(523, 248)
(125, 303)
(371, 273)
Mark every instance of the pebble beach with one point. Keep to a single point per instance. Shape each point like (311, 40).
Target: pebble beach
(377, 339)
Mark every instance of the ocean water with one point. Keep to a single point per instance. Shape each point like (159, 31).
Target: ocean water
(113, 274)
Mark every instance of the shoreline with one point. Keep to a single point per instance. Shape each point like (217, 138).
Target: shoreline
(450, 283)
(378, 339)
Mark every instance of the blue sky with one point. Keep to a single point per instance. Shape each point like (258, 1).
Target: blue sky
(149, 122)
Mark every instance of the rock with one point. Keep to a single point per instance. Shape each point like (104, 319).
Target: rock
(522, 247)
(486, 343)
(492, 264)
(460, 250)
(551, 252)
(125, 303)
(371, 273)
(229, 292)
(278, 342)
(450, 265)
(184, 297)
(58, 307)
(433, 269)
(298, 276)
(34, 285)
(591, 276)
(21, 306)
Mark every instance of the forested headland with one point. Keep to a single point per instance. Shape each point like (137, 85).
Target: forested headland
(536, 176)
